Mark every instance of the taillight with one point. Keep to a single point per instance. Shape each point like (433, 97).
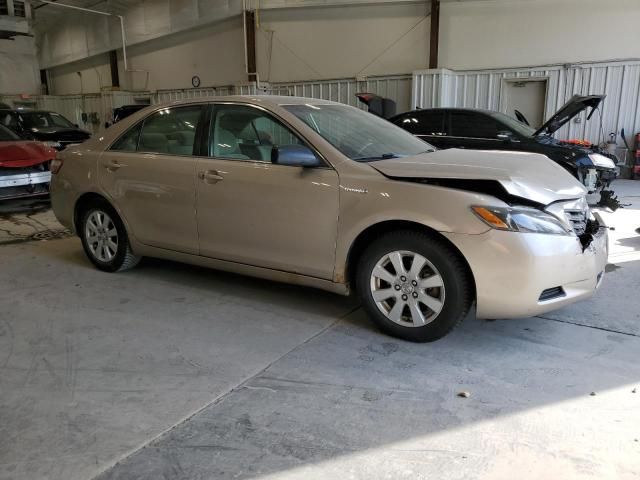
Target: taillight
(56, 165)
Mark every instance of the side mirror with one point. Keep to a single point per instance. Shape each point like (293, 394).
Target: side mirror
(76, 125)
(294, 155)
(505, 135)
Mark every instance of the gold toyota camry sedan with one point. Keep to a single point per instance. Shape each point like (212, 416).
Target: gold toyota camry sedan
(325, 195)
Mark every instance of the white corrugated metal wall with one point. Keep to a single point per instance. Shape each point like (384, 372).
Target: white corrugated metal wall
(620, 81)
(99, 106)
(343, 90)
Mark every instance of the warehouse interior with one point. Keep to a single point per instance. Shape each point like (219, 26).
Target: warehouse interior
(178, 371)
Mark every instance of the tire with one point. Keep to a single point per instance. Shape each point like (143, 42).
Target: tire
(105, 239)
(425, 300)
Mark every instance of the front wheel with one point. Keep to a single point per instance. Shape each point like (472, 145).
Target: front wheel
(414, 286)
(104, 238)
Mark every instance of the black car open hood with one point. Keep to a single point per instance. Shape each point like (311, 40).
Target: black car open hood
(573, 107)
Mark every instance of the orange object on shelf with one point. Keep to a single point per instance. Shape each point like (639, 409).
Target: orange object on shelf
(575, 141)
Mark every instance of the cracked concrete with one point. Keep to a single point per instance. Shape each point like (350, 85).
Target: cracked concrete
(177, 372)
(28, 220)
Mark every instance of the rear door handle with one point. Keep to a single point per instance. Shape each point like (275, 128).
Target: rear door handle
(210, 176)
(114, 165)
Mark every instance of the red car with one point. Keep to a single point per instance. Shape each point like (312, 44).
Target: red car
(24, 166)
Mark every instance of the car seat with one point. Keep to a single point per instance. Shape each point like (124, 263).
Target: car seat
(226, 145)
(181, 143)
(153, 142)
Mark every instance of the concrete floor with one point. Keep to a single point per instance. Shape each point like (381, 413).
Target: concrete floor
(175, 372)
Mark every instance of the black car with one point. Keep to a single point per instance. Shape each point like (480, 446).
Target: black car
(120, 113)
(49, 127)
(489, 130)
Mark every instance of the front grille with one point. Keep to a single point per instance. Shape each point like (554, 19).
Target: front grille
(35, 190)
(551, 293)
(578, 220)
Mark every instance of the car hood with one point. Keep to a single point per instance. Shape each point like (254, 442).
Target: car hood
(531, 176)
(21, 154)
(573, 107)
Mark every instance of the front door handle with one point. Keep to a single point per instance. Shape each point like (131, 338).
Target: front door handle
(210, 176)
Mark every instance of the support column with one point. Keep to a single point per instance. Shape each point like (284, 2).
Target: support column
(44, 81)
(113, 62)
(435, 34)
(250, 29)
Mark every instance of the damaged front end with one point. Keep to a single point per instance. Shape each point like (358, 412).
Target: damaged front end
(596, 172)
(594, 228)
(575, 214)
(24, 182)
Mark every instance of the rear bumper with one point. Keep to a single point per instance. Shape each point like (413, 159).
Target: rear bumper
(24, 185)
(512, 270)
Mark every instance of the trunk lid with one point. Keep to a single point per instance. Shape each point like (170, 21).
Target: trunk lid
(21, 154)
(531, 176)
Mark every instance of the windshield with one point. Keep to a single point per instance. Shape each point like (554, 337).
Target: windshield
(515, 125)
(7, 135)
(45, 120)
(357, 134)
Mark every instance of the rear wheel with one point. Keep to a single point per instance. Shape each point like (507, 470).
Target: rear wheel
(414, 286)
(104, 238)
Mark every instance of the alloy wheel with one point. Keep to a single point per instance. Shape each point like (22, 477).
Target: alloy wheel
(407, 288)
(101, 236)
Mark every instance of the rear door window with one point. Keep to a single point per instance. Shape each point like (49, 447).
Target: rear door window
(129, 141)
(473, 125)
(431, 123)
(170, 131)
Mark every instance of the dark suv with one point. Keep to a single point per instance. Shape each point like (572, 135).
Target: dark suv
(49, 127)
(489, 130)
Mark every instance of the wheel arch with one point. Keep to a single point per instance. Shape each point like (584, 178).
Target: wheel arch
(374, 231)
(81, 204)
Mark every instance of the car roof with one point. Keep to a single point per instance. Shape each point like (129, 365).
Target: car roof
(452, 109)
(268, 100)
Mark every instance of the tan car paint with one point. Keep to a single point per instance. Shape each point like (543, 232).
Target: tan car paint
(303, 237)
(156, 193)
(310, 231)
(267, 215)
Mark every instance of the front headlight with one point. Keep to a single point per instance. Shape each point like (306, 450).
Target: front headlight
(600, 160)
(52, 144)
(521, 219)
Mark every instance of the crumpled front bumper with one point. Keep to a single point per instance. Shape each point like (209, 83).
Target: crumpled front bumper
(515, 272)
(24, 184)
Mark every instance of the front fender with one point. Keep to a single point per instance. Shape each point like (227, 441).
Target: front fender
(437, 208)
